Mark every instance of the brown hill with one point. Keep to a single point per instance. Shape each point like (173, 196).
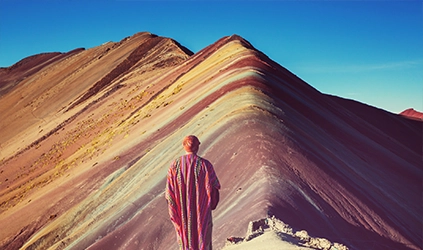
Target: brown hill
(87, 139)
(412, 113)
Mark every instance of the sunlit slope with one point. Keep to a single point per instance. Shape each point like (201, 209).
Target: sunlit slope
(179, 109)
(333, 167)
(45, 161)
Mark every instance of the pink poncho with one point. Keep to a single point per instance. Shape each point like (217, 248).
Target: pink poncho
(189, 187)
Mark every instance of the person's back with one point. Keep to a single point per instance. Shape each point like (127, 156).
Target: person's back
(192, 192)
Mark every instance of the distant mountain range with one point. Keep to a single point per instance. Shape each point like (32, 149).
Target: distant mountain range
(412, 113)
(86, 138)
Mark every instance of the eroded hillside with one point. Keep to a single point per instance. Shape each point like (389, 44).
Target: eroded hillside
(86, 141)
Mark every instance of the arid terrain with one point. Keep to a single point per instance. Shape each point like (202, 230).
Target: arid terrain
(86, 139)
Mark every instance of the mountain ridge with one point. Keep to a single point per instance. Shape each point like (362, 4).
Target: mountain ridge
(412, 113)
(280, 148)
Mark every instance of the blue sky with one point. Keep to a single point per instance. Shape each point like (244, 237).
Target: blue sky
(369, 51)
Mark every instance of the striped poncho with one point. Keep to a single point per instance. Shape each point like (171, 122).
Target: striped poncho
(190, 181)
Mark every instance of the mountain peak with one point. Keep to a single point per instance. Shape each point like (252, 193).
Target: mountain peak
(238, 38)
(412, 113)
(93, 135)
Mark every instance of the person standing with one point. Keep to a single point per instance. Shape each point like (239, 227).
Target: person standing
(192, 192)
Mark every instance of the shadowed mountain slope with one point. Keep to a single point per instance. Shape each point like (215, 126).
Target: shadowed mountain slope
(86, 143)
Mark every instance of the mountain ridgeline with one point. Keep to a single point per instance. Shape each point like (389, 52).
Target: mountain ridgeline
(87, 137)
